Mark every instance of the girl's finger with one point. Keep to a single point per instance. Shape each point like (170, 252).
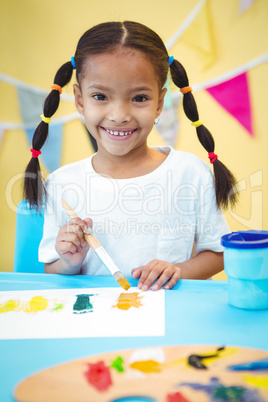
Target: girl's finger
(77, 229)
(146, 270)
(71, 237)
(66, 247)
(88, 222)
(167, 272)
(81, 225)
(136, 272)
(173, 280)
(150, 273)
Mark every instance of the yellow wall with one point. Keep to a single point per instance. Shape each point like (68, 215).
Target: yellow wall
(38, 36)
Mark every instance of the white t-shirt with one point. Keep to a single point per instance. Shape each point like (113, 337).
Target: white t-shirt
(155, 216)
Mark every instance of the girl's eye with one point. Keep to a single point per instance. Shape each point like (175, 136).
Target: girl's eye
(99, 97)
(140, 98)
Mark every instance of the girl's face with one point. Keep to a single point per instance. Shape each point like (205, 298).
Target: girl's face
(119, 97)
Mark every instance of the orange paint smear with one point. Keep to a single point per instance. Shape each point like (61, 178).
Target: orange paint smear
(127, 300)
(147, 366)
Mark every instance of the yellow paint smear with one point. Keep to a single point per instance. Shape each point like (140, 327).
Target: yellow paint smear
(37, 303)
(224, 353)
(147, 366)
(259, 382)
(150, 366)
(127, 300)
(10, 305)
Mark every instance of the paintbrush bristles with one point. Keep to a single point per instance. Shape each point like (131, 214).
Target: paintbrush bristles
(124, 283)
(119, 277)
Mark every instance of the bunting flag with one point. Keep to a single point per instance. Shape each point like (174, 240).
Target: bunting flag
(2, 130)
(185, 24)
(168, 125)
(233, 95)
(31, 106)
(200, 35)
(244, 5)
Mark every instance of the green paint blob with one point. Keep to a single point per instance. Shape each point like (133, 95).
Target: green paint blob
(58, 307)
(229, 393)
(82, 304)
(118, 364)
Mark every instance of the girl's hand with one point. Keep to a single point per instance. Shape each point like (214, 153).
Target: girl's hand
(70, 243)
(160, 271)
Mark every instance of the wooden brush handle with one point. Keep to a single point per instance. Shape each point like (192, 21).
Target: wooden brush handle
(90, 238)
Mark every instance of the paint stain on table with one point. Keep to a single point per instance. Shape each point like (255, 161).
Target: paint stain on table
(82, 304)
(258, 382)
(117, 364)
(220, 393)
(147, 366)
(127, 300)
(99, 376)
(176, 397)
(36, 304)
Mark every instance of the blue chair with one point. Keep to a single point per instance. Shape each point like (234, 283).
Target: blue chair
(29, 232)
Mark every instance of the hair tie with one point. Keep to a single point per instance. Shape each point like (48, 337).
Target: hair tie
(184, 90)
(197, 123)
(212, 157)
(45, 119)
(73, 62)
(170, 60)
(57, 88)
(35, 153)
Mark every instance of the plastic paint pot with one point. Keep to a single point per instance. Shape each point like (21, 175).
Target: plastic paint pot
(246, 266)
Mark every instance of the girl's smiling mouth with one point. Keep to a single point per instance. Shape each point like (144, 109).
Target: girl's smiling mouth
(119, 133)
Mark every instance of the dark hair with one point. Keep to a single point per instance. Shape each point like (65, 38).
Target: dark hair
(108, 37)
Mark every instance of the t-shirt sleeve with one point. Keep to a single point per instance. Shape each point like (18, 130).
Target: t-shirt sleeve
(211, 222)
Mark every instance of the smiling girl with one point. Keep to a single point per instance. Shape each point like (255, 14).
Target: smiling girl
(149, 207)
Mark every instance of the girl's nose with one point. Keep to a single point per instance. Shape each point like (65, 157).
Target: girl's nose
(119, 113)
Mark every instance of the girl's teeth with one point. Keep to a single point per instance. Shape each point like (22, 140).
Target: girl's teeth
(119, 132)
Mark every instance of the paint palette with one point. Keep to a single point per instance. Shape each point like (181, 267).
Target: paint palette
(162, 374)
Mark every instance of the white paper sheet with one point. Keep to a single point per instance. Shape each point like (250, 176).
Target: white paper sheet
(61, 319)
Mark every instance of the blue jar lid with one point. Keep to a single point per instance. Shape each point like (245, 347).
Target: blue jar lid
(246, 239)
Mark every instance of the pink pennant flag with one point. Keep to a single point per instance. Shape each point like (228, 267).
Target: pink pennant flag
(233, 96)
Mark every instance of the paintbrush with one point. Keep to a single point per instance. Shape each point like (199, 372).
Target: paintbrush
(99, 250)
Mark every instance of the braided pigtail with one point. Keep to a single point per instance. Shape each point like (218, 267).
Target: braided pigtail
(34, 190)
(225, 182)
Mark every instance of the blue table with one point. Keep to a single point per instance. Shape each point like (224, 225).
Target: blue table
(197, 312)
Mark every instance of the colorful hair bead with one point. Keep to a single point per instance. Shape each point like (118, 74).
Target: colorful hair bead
(35, 153)
(212, 157)
(57, 88)
(73, 62)
(184, 90)
(45, 119)
(197, 123)
(170, 60)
